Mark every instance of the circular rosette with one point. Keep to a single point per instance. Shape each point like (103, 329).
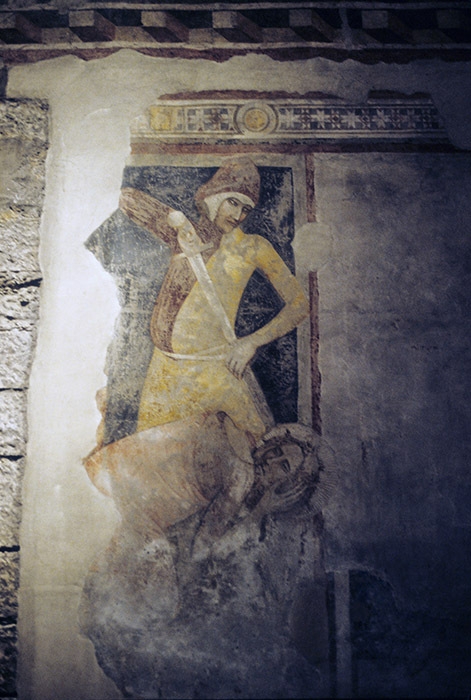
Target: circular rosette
(256, 119)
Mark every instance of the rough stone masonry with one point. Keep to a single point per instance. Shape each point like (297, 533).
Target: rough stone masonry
(23, 148)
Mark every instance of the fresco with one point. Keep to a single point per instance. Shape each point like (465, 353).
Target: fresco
(200, 447)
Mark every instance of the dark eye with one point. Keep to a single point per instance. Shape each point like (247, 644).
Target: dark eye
(233, 202)
(246, 210)
(273, 452)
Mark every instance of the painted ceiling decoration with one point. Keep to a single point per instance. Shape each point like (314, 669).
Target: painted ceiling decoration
(370, 32)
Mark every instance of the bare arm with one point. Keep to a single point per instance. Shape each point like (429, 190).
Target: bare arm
(295, 309)
(222, 513)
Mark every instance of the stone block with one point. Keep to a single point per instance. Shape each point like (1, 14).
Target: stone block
(24, 119)
(22, 164)
(19, 306)
(17, 347)
(164, 27)
(90, 25)
(19, 238)
(3, 78)
(9, 580)
(11, 474)
(12, 281)
(8, 654)
(234, 26)
(12, 422)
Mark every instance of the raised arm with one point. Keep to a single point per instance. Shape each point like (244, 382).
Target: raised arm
(148, 212)
(295, 309)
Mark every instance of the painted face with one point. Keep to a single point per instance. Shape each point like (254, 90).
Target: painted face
(230, 214)
(282, 461)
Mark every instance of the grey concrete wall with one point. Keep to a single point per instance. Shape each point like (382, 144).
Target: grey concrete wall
(393, 357)
(23, 148)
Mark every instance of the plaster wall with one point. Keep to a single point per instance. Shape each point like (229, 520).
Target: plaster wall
(392, 274)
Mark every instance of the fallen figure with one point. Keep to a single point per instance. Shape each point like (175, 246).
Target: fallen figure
(203, 550)
(160, 476)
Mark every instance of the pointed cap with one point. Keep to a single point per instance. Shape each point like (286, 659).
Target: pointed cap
(240, 176)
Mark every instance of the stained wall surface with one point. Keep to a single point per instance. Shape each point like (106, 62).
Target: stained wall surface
(390, 245)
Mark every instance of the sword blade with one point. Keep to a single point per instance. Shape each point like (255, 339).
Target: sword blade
(207, 286)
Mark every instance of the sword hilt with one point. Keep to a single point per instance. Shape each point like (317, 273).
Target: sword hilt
(188, 240)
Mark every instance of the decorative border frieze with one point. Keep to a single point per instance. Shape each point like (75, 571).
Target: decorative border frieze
(285, 120)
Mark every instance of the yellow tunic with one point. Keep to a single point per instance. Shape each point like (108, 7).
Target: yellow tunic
(178, 388)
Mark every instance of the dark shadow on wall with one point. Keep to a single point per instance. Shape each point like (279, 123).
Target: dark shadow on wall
(410, 652)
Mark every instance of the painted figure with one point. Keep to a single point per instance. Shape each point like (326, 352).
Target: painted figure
(197, 368)
(160, 476)
(202, 412)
